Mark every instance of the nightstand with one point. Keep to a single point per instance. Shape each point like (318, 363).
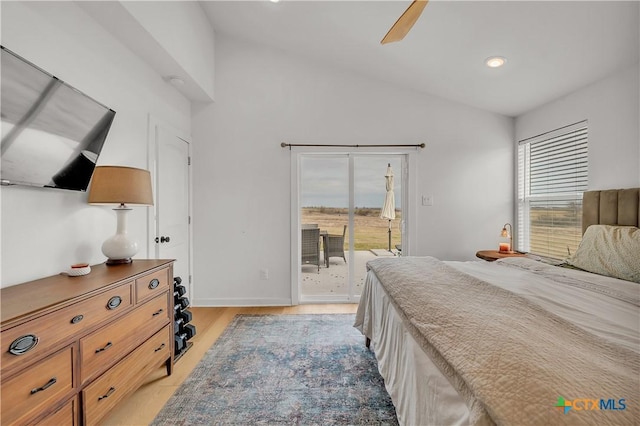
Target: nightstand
(491, 255)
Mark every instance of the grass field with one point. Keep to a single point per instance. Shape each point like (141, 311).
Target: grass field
(554, 231)
(370, 231)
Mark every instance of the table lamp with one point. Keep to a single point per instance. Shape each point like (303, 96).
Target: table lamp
(507, 234)
(122, 186)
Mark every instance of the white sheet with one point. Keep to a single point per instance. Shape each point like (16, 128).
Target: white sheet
(603, 315)
(419, 391)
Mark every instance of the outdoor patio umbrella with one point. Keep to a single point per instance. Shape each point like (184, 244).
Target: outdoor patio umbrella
(389, 207)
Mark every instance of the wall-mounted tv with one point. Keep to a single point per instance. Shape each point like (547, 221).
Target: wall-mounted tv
(52, 134)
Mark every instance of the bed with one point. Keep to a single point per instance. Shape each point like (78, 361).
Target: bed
(516, 341)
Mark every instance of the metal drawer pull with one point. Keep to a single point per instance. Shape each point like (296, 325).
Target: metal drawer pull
(158, 312)
(160, 348)
(107, 346)
(154, 283)
(23, 344)
(45, 386)
(114, 302)
(108, 394)
(77, 319)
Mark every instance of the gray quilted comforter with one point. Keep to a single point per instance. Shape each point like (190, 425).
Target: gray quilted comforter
(507, 357)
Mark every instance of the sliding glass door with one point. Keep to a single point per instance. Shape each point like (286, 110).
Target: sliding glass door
(375, 236)
(324, 196)
(343, 195)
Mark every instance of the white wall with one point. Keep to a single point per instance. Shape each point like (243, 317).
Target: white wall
(612, 108)
(44, 230)
(241, 174)
(183, 29)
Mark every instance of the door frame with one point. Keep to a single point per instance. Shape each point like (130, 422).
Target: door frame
(152, 162)
(409, 205)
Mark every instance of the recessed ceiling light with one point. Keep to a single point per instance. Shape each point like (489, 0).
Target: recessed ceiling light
(495, 61)
(274, 1)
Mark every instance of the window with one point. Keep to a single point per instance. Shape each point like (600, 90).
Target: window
(552, 175)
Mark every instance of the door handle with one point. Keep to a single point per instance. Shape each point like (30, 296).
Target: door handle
(165, 239)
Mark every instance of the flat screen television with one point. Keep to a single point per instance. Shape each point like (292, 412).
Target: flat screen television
(52, 134)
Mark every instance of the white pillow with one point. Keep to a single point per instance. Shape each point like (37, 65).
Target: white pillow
(608, 250)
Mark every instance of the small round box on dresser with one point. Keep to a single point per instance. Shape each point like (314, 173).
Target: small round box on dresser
(78, 270)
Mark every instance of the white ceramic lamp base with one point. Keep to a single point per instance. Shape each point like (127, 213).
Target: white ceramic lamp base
(119, 248)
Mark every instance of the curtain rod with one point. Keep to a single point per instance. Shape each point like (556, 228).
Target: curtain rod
(284, 145)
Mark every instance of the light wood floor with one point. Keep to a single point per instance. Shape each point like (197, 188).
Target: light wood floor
(142, 407)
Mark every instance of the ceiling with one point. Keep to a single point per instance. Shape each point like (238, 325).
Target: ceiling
(552, 48)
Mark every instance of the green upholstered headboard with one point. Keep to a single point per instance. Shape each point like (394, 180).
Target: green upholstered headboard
(611, 207)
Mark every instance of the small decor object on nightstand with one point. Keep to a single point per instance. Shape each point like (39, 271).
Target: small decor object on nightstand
(506, 247)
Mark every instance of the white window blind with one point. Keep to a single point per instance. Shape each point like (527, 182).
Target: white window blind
(552, 175)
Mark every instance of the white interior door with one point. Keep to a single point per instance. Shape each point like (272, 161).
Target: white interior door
(172, 239)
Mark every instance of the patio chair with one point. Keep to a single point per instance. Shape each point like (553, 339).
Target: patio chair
(334, 246)
(311, 247)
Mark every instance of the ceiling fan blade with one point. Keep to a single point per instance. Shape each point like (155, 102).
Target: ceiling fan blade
(405, 22)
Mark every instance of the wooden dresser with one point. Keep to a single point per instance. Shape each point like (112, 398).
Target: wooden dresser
(73, 347)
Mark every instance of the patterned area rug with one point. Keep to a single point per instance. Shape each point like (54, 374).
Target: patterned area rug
(284, 369)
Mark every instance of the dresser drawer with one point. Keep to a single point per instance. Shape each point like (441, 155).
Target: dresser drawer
(152, 284)
(44, 384)
(100, 350)
(33, 338)
(65, 416)
(126, 376)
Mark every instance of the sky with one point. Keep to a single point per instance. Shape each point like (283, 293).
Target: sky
(325, 180)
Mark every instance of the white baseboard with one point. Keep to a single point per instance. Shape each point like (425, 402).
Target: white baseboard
(327, 299)
(226, 302)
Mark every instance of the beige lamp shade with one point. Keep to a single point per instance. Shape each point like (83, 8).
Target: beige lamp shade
(120, 185)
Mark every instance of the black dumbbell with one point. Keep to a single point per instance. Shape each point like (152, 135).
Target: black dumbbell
(177, 308)
(183, 302)
(189, 330)
(185, 315)
(177, 280)
(178, 325)
(179, 290)
(180, 339)
(179, 343)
